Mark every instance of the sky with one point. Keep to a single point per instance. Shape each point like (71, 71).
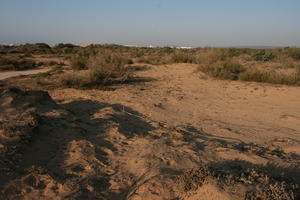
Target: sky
(152, 22)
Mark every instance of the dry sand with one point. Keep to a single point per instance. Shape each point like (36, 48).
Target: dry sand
(135, 141)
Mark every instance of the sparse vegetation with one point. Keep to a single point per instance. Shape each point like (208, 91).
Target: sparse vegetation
(183, 57)
(78, 81)
(15, 63)
(259, 65)
(41, 75)
(78, 62)
(269, 181)
(264, 56)
(271, 76)
(104, 68)
(108, 67)
(86, 126)
(293, 52)
(228, 69)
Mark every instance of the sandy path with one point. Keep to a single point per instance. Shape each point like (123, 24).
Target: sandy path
(5, 75)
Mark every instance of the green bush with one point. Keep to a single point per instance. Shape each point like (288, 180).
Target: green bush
(41, 75)
(264, 56)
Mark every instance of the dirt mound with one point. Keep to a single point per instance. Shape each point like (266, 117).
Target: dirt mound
(35, 135)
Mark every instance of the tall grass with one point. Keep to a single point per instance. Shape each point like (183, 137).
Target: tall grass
(271, 76)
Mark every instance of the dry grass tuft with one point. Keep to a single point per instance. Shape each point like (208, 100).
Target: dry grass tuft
(103, 69)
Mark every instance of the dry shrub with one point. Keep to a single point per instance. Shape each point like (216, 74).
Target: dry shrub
(271, 76)
(228, 69)
(103, 69)
(184, 57)
(209, 56)
(73, 80)
(155, 59)
(16, 63)
(263, 55)
(276, 191)
(293, 53)
(108, 67)
(264, 182)
(78, 62)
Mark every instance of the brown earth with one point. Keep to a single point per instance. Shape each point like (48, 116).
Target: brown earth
(172, 134)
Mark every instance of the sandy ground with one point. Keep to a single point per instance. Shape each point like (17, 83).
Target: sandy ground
(175, 95)
(9, 74)
(130, 142)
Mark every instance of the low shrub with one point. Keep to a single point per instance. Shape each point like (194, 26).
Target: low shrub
(78, 62)
(234, 52)
(103, 69)
(41, 75)
(271, 76)
(228, 69)
(152, 60)
(263, 55)
(73, 80)
(108, 67)
(183, 57)
(16, 63)
(293, 53)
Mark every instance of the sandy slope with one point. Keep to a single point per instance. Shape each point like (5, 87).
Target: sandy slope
(135, 142)
(175, 95)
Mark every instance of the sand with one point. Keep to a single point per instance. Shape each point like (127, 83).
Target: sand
(136, 141)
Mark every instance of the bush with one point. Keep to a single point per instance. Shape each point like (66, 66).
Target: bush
(272, 76)
(74, 81)
(41, 75)
(225, 70)
(233, 52)
(153, 60)
(103, 69)
(16, 63)
(183, 57)
(294, 53)
(108, 67)
(78, 62)
(264, 56)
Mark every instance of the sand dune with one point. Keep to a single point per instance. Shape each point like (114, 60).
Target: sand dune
(175, 134)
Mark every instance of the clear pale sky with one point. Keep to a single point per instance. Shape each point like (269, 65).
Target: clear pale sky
(152, 22)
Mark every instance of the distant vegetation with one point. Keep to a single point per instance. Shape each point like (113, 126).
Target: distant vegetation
(105, 64)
